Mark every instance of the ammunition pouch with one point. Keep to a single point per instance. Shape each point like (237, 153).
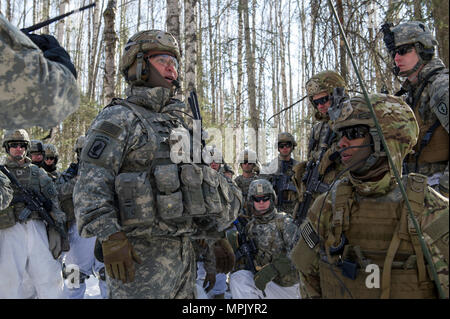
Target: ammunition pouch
(135, 199)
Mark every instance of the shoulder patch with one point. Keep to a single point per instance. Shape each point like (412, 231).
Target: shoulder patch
(309, 235)
(97, 148)
(442, 108)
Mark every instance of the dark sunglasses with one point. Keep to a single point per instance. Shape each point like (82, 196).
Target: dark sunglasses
(246, 162)
(402, 50)
(322, 100)
(354, 132)
(50, 158)
(17, 144)
(282, 145)
(261, 199)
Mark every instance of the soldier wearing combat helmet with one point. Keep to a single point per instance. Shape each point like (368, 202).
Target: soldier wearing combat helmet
(272, 234)
(322, 89)
(37, 152)
(142, 201)
(281, 172)
(51, 157)
(363, 220)
(29, 248)
(412, 48)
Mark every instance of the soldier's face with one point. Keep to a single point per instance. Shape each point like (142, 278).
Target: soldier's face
(285, 148)
(262, 205)
(229, 175)
(247, 167)
(165, 66)
(37, 157)
(406, 61)
(17, 149)
(322, 107)
(49, 161)
(215, 166)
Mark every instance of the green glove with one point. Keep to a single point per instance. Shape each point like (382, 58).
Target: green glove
(119, 257)
(266, 274)
(283, 265)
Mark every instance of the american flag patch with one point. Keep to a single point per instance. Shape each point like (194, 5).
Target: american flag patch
(309, 235)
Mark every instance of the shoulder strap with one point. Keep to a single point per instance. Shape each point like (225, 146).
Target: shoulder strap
(340, 194)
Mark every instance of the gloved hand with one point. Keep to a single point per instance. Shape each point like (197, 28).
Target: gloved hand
(119, 257)
(225, 258)
(266, 274)
(210, 281)
(54, 242)
(52, 50)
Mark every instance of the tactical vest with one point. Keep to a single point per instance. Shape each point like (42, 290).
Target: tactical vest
(28, 177)
(437, 148)
(168, 196)
(378, 231)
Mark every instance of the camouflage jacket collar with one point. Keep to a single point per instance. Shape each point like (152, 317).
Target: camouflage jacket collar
(153, 99)
(10, 163)
(434, 64)
(373, 189)
(267, 217)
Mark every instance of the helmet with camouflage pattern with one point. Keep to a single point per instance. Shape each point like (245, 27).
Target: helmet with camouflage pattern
(261, 187)
(36, 147)
(79, 143)
(417, 34)
(285, 137)
(15, 136)
(322, 82)
(211, 153)
(396, 119)
(51, 151)
(248, 156)
(133, 66)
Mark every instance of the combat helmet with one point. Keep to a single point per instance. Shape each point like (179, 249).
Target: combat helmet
(36, 146)
(133, 66)
(19, 135)
(396, 119)
(286, 137)
(414, 33)
(261, 187)
(325, 81)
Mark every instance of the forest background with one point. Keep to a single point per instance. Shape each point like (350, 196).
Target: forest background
(247, 60)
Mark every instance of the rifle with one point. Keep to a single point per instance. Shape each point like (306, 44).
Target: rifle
(35, 202)
(49, 21)
(247, 247)
(195, 108)
(313, 181)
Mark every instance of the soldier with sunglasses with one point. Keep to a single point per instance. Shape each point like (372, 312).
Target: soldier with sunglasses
(412, 48)
(320, 88)
(28, 247)
(51, 157)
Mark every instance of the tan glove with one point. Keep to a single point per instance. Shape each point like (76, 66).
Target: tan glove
(210, 281)
(54, 242)
(225, 258)
(119, 257)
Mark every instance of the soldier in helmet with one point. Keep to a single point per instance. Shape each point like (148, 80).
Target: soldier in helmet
(142, 201)
(79, 262)
(37, 152)
(272, 233)
(322, 142)
(38, 80)
(50, 160)
(362, 224)
(412, 47)
(280, 172)
(29, 247)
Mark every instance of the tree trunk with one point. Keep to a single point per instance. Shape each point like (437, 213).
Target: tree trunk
(110, 51)
(342, 52)
(190, 45)
(212, 68)
(441, 18)
(173, 19)
(63, 6)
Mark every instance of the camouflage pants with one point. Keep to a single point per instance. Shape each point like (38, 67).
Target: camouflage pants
(167, 271)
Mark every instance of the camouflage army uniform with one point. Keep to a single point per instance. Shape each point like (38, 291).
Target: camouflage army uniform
(323, 82)
(428, 97)
(273, 234)
(6, 192)
(50, 151)
(34, 90)
(361, 221)
(129, 184)
(289, 198)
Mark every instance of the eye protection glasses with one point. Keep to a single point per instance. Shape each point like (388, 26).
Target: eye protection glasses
(354, 132)
(322, 100)
(261, 199)
(402, 50)
(283, 145)
(165, 60)
(17, 144)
